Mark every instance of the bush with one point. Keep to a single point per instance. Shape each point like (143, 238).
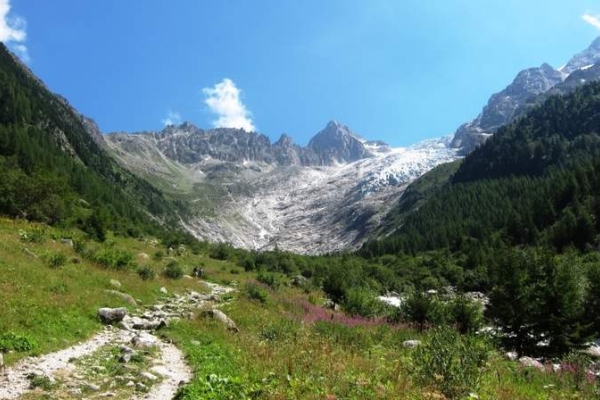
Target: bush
(173, 270)
(255, 292)
(422, 310)
(158, 256)
(465, 314)
(12, 342)
(112, 257)
(268, 279)
(362, 302)
(37, 235)
(146, 272)
(56, 260)
(450, 363)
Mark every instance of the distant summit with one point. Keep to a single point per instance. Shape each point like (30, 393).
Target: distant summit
(337, 143)
(529, 85)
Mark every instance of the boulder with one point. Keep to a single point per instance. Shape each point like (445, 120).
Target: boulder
(115, 283)
(299, 281)
(593, 351)
(143, 256)
(112, 315)
(411, 344)
(67, 242)
(123, 296)
(144, 340)
(224, 319)
(164, 290)
(529, 362)
(1, 361)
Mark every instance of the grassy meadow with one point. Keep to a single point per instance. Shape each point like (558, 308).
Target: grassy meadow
(289, 346)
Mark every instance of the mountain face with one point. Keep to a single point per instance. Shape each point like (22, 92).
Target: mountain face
(253, 194)
(530, 87)
(501, 107)
(586, 58)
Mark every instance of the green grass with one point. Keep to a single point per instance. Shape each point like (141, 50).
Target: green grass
(287, 347)
(53, 307)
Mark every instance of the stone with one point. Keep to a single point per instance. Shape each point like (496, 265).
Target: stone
(29, 253)
(529, 362)
(148, 376)
(164, 290)
(224, 319)
(112, 315)
(1, 361)
(299, 281)
(115, 283)
(143, 256)
(411, 344)
(593, 350)
(511, 355)
(92, 387)
(144, 340)
(67, 242)
(123, 296)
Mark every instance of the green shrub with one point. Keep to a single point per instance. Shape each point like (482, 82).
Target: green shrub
(173, 270)
(465, 314)
(13, 342)
(146, 272)
(362, 302)
(56, 260)
(41, 382)
(255, 292)
(450, 362)
(113, 257)
(422, 310)
(268, 279)
(158, 256)
(36, 235)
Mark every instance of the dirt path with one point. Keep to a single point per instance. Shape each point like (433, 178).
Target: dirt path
(169, 364)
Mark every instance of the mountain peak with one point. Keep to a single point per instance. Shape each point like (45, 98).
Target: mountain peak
(337, 143)
(586, 58)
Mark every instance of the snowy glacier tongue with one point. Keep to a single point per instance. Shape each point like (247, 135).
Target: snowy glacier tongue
(320, 209)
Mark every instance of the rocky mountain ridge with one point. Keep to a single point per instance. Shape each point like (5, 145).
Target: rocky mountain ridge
(255, 194)
(529, 87)
(187, 144)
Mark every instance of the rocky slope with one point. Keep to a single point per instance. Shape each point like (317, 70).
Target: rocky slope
(325, 197)
(529, 87)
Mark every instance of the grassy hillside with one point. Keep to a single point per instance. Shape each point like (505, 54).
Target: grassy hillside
(289, 345)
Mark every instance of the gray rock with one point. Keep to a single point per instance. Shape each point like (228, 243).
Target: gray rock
(224, 319)
(143, 256)
(123, 296)
(67, 242)
(91, 387)
(148, 376)
(1, 361)
(144, 340)
(593, 350)
(115, 283)
(112, 315)
(164, 290)
(411, 344)
(529, 362)
(511, 355)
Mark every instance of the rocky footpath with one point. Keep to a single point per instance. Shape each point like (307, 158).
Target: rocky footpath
(125, 360)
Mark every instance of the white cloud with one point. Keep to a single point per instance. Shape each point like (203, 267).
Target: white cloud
(224, 100)
(172, 118)
(593, 20)
(13, 31)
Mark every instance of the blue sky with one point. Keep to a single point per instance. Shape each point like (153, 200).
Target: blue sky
(396, 70)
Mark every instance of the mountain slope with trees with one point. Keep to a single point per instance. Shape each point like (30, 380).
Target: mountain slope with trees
(55, 171)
